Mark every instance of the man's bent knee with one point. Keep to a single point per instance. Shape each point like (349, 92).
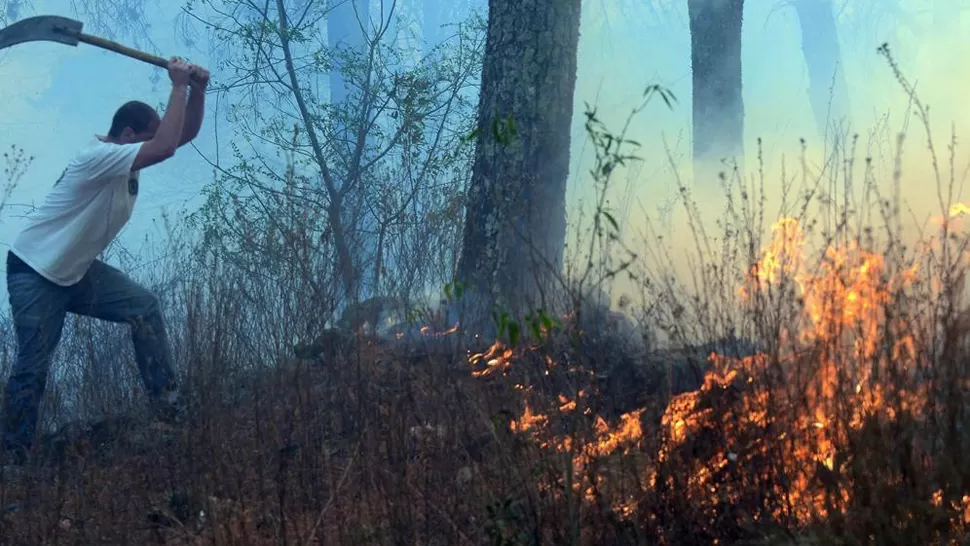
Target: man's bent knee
(146, 304)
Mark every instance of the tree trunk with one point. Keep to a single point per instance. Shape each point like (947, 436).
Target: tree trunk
(718, 106)
(827, 90)
(433, 11)
(12, 11)
(345, 264)
(349, 28)
(344, 23)
(515, 224)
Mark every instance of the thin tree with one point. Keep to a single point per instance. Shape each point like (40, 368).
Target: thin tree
(366, 200)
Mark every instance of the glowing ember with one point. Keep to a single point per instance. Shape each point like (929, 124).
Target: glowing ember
(496, 359)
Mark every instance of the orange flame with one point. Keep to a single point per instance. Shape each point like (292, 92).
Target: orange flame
(827, 382)
(843, 302)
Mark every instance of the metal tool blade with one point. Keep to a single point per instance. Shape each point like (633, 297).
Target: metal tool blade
(41, 28)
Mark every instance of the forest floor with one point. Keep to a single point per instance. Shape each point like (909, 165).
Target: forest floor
(389, 447)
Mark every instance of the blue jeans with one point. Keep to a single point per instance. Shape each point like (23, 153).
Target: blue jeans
(39, 308)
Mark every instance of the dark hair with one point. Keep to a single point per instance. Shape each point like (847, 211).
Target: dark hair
(134, 114)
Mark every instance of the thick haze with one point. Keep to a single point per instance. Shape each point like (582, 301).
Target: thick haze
(54, 98)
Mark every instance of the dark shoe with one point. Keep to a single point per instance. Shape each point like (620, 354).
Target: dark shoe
(170, 408)
(14, 463)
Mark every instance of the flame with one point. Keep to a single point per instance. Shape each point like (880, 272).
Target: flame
(582, 451)
(953, 217)
(528, 421)
(497, 359)
(790, 414)
(842, 304)
(959, 209)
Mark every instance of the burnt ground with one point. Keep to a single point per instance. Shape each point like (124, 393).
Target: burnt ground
(349, 441)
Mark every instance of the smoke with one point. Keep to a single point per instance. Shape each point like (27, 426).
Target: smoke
(619, 59)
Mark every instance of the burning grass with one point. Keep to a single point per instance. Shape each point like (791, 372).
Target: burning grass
(851, 419)
(847, 424)
(843, 420)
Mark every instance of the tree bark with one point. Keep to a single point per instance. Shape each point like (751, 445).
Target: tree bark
(827, 89)
(344, 30)
(515, 225)
(718, 105)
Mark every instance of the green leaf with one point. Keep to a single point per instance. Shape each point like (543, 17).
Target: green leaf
(665, 94)
(472, 135)
(533, 326)
(496, 132)
(510, 124)
(514, 333)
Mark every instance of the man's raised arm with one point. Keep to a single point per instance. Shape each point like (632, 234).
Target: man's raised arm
(166, 140)
(195, 110)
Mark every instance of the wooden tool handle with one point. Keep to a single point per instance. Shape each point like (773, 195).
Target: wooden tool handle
(125, 50)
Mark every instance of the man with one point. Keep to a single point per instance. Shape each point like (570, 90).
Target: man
(52, 267)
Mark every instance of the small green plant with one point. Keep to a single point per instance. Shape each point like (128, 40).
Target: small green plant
(454, 291)
(508, 328)
(504, 131)
(541, 324)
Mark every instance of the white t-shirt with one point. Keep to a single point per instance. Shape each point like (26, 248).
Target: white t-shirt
(82, 214)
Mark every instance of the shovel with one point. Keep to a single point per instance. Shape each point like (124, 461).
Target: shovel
(54, 28)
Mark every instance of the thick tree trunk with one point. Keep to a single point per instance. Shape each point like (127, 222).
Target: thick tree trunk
(827, 90)
(718, 106)
(515, 224)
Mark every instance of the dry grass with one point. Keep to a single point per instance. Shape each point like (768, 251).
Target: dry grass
(844, 422)
(384, 447)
